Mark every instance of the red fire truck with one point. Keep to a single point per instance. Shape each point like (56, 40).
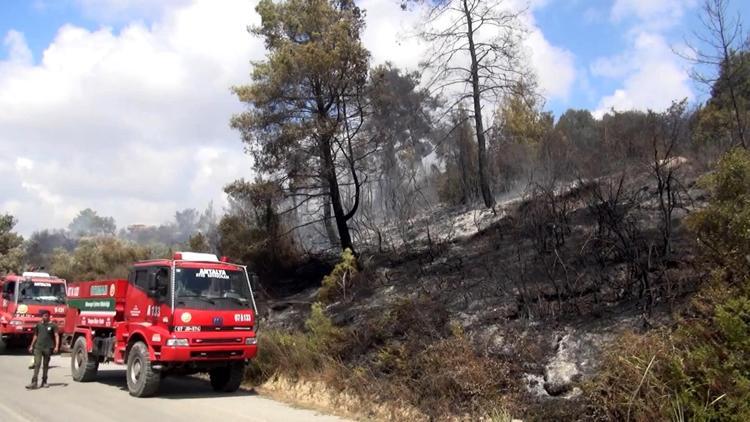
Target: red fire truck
(23, 297)
(194, 313)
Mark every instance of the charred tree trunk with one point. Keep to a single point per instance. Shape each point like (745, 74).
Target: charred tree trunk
(329, 171)
(327, 221)
(466, 187)
(484, 184)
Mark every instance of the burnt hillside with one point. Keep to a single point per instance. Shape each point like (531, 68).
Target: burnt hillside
(539, 286)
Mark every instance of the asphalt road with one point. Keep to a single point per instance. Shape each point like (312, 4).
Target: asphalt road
(107, 399)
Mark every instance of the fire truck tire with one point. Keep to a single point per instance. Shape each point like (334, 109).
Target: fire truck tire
(83, 365)
(143, 380)
(229, 378)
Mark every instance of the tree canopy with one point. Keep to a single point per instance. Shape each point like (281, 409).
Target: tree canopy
(11, 246)
(305, 102)
(89, 223)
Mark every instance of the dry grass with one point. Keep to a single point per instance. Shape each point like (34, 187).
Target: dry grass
(696, 371)
(628, 386)
(407, 364)
(321, 396)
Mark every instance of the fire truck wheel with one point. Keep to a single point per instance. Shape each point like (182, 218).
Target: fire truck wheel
(229, 378)
(143, 380)
(82, 366)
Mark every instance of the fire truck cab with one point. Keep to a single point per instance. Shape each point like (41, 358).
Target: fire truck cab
(23, 297)
(193, 313)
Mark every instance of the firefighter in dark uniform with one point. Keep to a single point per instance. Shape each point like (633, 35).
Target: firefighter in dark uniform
(44, 343)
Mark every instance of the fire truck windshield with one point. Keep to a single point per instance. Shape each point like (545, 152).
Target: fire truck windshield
(211, 288)
(41, 292)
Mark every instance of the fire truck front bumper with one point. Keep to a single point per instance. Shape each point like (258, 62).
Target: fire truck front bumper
(26, 326)
(207, 351)
(20, 328)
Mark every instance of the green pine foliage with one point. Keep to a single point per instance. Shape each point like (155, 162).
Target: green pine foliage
(339, 282)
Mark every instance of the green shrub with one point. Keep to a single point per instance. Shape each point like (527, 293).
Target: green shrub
(296, 354)
(712, 363)
(339, 282)
(711, 367)
(323, 336)
(723, 228)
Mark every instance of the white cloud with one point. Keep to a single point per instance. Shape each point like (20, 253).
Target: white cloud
(652, 13)
(111, 11)
(121, 121)
(554, 66)
(616, 66)
(653, 77)
(23, 164)
(389, 34)
(18, 50)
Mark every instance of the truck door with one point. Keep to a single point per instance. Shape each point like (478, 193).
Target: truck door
(160, 307)
(137, 301)
(9, 297)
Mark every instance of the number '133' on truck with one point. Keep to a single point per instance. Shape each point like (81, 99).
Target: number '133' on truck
(190, 314)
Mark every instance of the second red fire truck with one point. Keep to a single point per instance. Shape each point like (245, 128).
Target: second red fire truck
(193, 313)
(23, 297)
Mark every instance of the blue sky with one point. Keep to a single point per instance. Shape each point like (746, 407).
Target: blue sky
(587, 29)
(123, 105)
(588, 39)
(597, 29)
(39, 20)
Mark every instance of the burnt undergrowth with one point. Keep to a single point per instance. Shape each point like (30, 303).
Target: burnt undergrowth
(456, 328)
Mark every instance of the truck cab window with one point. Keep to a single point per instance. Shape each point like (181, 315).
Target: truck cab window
(208, 287)
(41, 292)
(162, 282)
(10, 290)
(141, 279)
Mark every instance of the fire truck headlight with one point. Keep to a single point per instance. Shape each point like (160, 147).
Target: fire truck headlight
(16, 322)
(172, 342)
(251, 341)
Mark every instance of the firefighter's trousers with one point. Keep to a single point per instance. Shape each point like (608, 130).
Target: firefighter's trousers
(41, 358)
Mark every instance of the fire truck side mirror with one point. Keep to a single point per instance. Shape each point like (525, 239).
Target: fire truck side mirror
(153, 288)
(254, 280)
